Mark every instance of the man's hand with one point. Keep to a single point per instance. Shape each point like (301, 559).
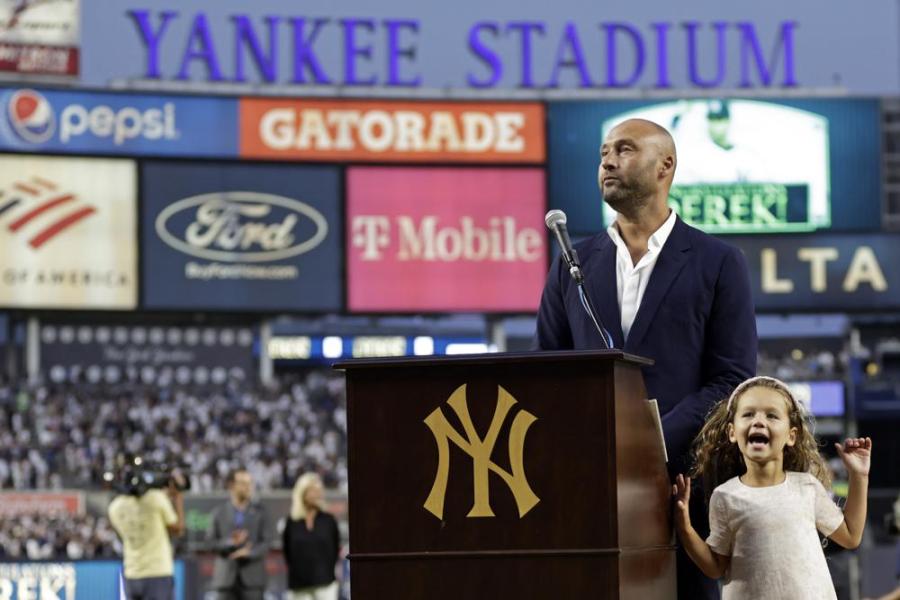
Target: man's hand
(242, 552)
(857, 455)
(238, 537)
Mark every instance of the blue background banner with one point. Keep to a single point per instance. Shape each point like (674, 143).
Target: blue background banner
(241, 237)
(575, 134)
(108, 123)
(79, 580)
(819, 272)
(823, 272)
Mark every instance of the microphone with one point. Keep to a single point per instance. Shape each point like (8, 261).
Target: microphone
(556, 222)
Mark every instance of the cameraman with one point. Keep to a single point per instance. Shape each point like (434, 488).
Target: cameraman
(145, 519)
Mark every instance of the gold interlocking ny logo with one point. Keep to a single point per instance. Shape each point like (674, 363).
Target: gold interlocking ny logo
(480, 451)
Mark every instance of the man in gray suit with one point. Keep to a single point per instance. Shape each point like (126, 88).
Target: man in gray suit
(240, 534)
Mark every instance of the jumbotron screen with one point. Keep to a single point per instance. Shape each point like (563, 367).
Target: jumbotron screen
(744, 166)
(734, 175)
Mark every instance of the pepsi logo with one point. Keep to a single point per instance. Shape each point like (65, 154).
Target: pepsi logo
(31, 116)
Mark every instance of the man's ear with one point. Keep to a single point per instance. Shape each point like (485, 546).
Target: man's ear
(666, 166)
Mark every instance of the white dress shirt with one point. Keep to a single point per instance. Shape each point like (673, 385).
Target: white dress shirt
(631, 279)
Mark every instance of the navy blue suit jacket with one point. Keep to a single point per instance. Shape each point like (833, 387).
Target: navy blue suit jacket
(696, 321)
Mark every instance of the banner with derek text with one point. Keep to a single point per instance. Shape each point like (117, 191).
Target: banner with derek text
(744, 166)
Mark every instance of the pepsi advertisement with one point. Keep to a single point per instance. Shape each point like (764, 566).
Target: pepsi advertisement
(241, 237)
(130, 124)
(744, 166)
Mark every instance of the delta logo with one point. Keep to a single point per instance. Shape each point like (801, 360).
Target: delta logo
(31, 117)
(38, 211)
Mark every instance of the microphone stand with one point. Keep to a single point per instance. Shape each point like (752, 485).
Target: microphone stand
(578, 276)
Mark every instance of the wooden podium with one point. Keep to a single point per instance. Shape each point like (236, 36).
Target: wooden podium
(506, 476)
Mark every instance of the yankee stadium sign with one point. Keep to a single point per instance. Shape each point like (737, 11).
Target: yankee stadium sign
(368, 51)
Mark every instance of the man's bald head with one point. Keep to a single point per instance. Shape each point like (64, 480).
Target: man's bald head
(637, 166)
(648, 132)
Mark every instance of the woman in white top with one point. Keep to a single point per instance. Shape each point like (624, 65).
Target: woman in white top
(770, 497)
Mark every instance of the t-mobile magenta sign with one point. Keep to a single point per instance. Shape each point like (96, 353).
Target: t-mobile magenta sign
(445, 239)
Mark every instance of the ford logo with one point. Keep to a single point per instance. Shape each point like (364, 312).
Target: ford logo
(241, 226)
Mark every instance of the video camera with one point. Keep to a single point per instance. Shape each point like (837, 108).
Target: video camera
(136, 476)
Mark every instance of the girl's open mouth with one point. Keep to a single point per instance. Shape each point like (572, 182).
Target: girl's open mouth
(758, 440)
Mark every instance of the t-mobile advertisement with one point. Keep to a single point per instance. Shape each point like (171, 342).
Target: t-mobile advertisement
(445, 239)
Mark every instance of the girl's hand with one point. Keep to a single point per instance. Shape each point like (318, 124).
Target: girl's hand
(856, 454)
(682, 492)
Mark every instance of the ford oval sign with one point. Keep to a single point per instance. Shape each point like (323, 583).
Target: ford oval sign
(241, 226)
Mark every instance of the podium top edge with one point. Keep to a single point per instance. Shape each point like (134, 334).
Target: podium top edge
(535, 357)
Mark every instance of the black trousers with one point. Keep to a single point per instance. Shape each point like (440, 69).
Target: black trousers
(150, 588)
(239, 593)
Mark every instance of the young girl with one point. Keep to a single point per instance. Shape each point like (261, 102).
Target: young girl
(770, 497)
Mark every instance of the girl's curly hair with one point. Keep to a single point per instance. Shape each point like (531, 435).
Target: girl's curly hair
(717, 459)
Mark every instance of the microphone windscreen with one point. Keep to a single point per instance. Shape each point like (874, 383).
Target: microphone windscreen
(553, 217)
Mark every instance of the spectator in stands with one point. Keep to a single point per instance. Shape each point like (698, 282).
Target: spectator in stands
(240, 534)
(311, 543)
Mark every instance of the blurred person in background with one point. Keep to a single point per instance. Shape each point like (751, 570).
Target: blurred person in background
(895, 595)
(240, 534)
(145, 523)
(311, 543)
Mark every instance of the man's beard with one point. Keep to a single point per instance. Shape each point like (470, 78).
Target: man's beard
(628, 198)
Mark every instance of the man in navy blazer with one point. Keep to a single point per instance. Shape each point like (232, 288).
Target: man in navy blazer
(691, 311)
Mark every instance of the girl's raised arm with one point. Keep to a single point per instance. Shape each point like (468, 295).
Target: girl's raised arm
(857, 456)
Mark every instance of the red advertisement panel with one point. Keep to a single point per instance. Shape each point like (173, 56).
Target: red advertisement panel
(40, 36)
(445, 239)
(382, 131)
(18, 503)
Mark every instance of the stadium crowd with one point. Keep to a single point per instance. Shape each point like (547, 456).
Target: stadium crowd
(57, 435)
(41, 536)
(802, 366)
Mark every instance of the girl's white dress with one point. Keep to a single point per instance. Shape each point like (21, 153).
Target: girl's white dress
(770, 535)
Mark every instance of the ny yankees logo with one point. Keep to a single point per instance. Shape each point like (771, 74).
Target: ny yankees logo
(480, 450)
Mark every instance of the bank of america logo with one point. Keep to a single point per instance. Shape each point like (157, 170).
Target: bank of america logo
(37, 210)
